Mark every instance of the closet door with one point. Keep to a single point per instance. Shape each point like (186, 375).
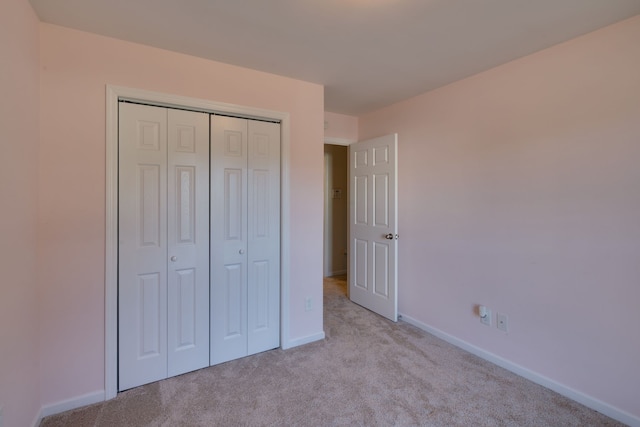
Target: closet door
(188, 240)
(142, 249)
(245, 237)
(163, 243)
(263, 236)
(228, 238)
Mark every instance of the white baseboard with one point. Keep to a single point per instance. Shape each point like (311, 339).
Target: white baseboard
(588, 401)
(337, 273)
(69, 404)
(302, 341)
(37, 419)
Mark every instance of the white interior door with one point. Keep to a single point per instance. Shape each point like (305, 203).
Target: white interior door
(188, 241)
(263, 262)
(245, 237)
(228, 238)
(142, 249)
(373, 225)
(163, 273)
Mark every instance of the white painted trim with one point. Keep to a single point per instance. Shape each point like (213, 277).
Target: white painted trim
(113, 94)
(111, 247)
(73, 403)
(326, 251)
(586, 400)
(285, 231)
(304, 340)
(338, 141)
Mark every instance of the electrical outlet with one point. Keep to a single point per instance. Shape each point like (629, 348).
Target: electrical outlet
(502, 321)
(308, 304)
(486, 319)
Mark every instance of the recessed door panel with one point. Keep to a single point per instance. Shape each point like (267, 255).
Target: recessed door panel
(150, 135)
(186, 309)
(381, 269)
(234, 301)
(186, 204)
(186, 141)
(149, 212)
(380, 155)
(261, 204)
(381, 200)
(361, 257)
(234, 140)
(360, 159)
(150, 317)
(233, 204)
(261, 307)
(361, 189)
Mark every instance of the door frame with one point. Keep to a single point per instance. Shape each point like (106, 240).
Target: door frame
(114, 94)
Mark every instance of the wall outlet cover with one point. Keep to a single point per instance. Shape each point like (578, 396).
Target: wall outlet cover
(502, 322)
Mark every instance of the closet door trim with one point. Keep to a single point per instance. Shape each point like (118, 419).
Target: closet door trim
(114, 94)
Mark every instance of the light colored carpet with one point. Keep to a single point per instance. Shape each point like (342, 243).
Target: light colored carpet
(367, 372)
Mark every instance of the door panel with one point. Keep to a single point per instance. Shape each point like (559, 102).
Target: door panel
(149, 188)
(186, 306)
(245, 235)
(150, 299)
(263, 244)
(229, 239)
(163, 253)
(261, 284)
(373, 217)
(142, 277)
(381, 200)
(359, 251)
(188, 241)
(235, 302)
(234, 204)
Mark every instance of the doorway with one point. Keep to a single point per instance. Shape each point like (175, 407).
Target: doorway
(336, 210)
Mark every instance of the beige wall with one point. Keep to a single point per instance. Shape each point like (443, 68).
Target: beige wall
(336, 210)
(519, 188)
(340, 126)
(76, 66)
(19, 118)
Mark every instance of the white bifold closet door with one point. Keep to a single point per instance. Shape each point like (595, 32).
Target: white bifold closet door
(245, 236)
(163, 252)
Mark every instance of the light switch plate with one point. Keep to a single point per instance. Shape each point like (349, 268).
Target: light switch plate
(486, 320)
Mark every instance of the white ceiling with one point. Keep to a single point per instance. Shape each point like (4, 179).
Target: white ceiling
(367, 53)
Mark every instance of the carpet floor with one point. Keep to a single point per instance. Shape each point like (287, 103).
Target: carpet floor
(367, 372)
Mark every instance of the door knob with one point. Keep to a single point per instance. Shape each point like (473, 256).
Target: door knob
(389, 236)
(174, 258)
(241, 251)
